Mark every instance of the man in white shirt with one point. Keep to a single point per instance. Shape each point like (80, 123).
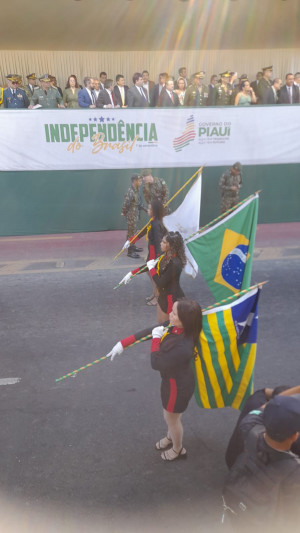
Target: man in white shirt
(96, 84)
(289, 93)
(148, 84)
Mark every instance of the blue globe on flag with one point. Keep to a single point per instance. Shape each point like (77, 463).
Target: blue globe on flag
(233, 266)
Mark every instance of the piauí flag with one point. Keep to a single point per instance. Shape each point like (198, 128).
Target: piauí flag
(226, 353)
(224, 252)
(186, 220)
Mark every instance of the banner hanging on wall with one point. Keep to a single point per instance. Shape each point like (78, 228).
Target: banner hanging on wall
(139, 138)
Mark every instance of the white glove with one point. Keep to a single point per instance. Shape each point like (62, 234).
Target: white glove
(151, 264)
(158, 332)
(117, 350)
(126, 278)
(126, 245)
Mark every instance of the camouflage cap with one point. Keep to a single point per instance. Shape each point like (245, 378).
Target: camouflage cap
(146, 172)
(44, 77)
(237, 166)
(267, 68)
(200, 74)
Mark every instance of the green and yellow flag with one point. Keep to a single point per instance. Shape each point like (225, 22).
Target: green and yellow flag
(224, 251)
(224, 364)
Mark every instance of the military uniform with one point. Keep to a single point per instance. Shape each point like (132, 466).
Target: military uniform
(15, 99)
(29, 89)
(263, 85)
(222, 94)
(47, 99)
(157, 189)
(196, 96)
(229, 197)
(130, 210)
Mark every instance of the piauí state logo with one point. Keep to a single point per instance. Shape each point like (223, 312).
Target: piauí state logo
(187, 136)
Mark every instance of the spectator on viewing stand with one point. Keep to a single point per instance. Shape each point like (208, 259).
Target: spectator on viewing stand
(31, 85)
(246, 95)
(211, 86)
(46, 96)
(86, 96)
(96, 84)
(148, 84)
(106, 98)
(53, 83)
(13, 96)
(120, 91)
(70, 94)
(222, 91)
(264, 83)
(254, 84)
(168, 98)
(180, 91)
(102, 78)
(270, 97)
(136, 95)
(289, 93)
(158, 88)
(196, 94)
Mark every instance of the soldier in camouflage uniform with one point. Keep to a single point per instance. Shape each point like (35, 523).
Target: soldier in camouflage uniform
(222, 91)
(130, 210)
(154, 188)
(264, 83)
(46, 96)
(230, 184)
(197, 93)
(32, 84)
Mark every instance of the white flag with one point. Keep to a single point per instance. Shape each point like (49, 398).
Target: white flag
(186, 220)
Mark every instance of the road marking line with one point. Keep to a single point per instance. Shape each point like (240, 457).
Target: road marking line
(9, 381)
(25, 239)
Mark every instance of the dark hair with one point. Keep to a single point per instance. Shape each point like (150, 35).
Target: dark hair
(119, 76)
(157, 209)
(76, 82)
(136, 76)
(180, 70)
(213, 76)
(108, 83)
(86, 80)
(145, 72)
(164, 74)
(242, 84)
(104, 73)
(176, 243)
(135, 177)
(190, 315)
(179, 79)
(289, 74)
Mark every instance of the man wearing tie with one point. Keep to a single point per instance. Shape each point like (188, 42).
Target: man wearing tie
(270, 97)
(86, 96)
(32, 83)
(136, 95)
(120, 91)
(289, 93)
(13, 97)
(102, 78)
(167, 97)
(106, 98)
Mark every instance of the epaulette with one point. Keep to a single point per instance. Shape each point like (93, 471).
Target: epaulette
(1, 95)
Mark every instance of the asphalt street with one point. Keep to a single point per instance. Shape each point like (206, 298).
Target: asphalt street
(79, 455)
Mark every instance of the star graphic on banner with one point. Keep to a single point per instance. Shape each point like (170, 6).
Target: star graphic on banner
(101, 119)
(95, 119)
(90, 119)
(113, 118)
(108, 119)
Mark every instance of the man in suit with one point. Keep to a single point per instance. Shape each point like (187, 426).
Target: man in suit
(148, 84)
(289, 93)
(297, 79)
(167, 96)
(86, 96)
(158, 88)
(211, 86)
(270, 97)
(13, 97)
(106, 98)
(136, 95)
(120, 91)
(254, 84)
(102, 78)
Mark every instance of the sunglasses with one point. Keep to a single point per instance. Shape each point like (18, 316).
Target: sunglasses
(14, 82)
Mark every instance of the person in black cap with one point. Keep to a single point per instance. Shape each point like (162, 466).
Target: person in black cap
(263, 486)
(196, 94)
(13, 96)
(130, 210)
(264, 83)
(222, 92)
(230, 184)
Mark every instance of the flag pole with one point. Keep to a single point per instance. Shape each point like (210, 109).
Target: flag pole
(148, 337)
(223, 215)
(165, 205)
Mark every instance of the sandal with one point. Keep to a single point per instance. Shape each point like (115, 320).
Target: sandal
(149, 298)
(164, 443)
(152, 302)
(178, 455)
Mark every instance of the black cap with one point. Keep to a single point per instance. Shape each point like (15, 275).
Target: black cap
(267, 68)
(135, 177)
(281, 417)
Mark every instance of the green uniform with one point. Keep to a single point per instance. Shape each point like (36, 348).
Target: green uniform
(229, 198)
(263, 86)
(222, 94)
(130, 210)
(158, 189)
(47, 99)
(196, 96)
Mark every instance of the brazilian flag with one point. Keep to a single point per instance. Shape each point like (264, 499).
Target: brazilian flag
(226, 352)
(224, 251)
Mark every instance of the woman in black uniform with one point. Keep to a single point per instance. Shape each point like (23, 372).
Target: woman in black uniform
(154, 234)
(172, 350)
(166, 273)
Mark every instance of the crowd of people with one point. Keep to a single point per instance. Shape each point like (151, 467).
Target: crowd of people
(224, 89)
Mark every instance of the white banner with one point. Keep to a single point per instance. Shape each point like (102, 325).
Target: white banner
(139, 138)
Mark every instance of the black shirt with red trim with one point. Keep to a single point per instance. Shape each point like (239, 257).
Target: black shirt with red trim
(155, 234)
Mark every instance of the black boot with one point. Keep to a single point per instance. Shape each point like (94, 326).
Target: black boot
(132, 253)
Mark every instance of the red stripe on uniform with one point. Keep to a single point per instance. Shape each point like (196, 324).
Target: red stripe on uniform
(135, 271)
(129, 340)
(173, 395)
(155, 345)
(151, 252)
(170, 303)
(152, 272)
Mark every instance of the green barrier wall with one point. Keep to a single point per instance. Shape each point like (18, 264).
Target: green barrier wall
(79, 201)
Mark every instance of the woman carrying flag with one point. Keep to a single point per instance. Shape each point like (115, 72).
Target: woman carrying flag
(167, 273)
(172, 350)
